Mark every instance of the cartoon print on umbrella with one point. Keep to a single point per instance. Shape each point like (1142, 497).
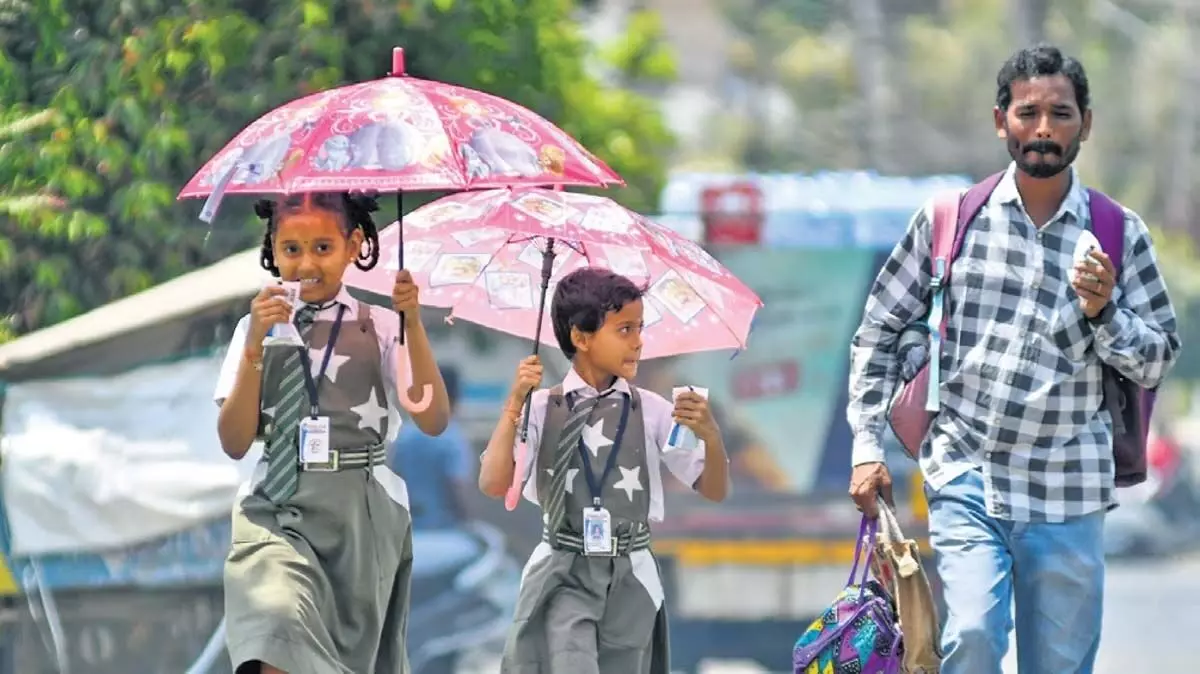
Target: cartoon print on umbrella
(389, 146)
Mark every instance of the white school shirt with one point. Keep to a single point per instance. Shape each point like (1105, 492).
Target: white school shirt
(387, 332)
(656, 418)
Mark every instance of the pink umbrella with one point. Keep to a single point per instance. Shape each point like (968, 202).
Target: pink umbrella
(483, 255)
(395, 134)
(398, 133)
(493, 257)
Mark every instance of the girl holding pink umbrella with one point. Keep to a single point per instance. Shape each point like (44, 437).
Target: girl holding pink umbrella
(319, 567)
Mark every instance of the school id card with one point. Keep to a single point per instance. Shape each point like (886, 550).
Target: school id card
(597, 532)
(314, 440)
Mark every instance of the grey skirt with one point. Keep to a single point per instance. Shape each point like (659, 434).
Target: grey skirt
(588, 615)
(320, 585)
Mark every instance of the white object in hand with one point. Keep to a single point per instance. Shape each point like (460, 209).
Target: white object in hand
(682, 437)
(286, 334)
(1084, 246)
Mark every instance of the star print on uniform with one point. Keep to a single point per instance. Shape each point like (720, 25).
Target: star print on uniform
(316, 356)
(593, 438)
(268, 418)
(630, 481)
(371, 414)
(571, 474)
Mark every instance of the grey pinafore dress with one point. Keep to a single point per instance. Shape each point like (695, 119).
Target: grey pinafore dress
(580, 614)
(320, 583)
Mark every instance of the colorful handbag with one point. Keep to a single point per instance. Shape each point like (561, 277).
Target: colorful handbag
(858, 633)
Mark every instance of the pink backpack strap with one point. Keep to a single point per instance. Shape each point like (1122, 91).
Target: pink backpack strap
(952, 214)
(943, 230)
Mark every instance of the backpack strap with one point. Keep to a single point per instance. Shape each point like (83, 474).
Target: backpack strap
(1108, 224)
(946, 245)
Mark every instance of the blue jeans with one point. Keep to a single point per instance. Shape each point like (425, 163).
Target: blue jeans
(1054, 571)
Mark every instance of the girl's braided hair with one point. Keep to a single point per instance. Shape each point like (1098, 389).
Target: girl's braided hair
(355, 209)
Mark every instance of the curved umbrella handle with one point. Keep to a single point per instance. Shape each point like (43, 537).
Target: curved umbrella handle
(404, 382)
(513, 496)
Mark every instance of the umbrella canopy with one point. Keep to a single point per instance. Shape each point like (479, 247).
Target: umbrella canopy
(398, 133)
(482, 255)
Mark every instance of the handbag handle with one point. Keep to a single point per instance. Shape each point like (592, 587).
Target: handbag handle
(890, 533)
(867, 532)
(889, 526)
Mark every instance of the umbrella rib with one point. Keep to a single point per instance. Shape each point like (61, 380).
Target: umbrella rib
(307, 147)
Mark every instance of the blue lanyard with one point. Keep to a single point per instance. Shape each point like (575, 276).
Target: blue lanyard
(595, 486)
(310, 382)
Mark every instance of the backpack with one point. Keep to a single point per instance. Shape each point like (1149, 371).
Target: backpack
(916, 402)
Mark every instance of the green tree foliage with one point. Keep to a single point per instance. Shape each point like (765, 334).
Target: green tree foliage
(143, 92)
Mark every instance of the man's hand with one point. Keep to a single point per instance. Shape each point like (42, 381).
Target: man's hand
(868, 481)
(1093, 282)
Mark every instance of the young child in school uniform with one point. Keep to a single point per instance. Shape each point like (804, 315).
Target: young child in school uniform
(318, 573)
(591, 599)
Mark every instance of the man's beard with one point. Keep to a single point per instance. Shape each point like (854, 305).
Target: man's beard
(1038, 167)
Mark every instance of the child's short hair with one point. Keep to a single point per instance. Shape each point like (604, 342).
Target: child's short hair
(583, 299)
(354, 209)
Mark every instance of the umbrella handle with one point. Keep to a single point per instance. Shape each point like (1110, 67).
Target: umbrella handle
(513, 496)
(547, 271)
(404, 382)
(400, 254)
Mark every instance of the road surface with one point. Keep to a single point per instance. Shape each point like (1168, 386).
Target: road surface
(1150, 621)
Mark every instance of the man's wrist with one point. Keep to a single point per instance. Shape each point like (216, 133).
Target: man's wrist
(866, 450)
(1105, 316)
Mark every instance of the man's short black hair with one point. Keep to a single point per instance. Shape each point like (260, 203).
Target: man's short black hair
(1040, 61)
(583, 299)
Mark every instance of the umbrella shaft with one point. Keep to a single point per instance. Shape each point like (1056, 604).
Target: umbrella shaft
(400, 246)
(547, 270)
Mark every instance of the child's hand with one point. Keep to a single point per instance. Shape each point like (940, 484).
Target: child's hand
(268, 308)
(529, 376)
(691, 410)
(404, 296)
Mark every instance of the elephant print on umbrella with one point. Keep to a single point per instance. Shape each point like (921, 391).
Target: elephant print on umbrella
(387, 146)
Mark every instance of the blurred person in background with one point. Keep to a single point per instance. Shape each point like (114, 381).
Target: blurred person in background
(1019, 459)
(1170, 469)
(437, 469)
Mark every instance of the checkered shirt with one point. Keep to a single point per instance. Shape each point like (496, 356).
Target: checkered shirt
(1021, 382)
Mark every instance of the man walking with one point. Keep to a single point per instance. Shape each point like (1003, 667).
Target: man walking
(1018, 463)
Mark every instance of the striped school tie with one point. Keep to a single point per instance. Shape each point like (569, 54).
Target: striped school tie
(556, 505)
(283, 449)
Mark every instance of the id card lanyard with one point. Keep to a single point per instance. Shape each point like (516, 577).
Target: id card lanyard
(596, 486)
(311, 383)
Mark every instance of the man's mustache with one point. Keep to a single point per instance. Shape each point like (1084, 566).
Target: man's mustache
(1043, 147)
